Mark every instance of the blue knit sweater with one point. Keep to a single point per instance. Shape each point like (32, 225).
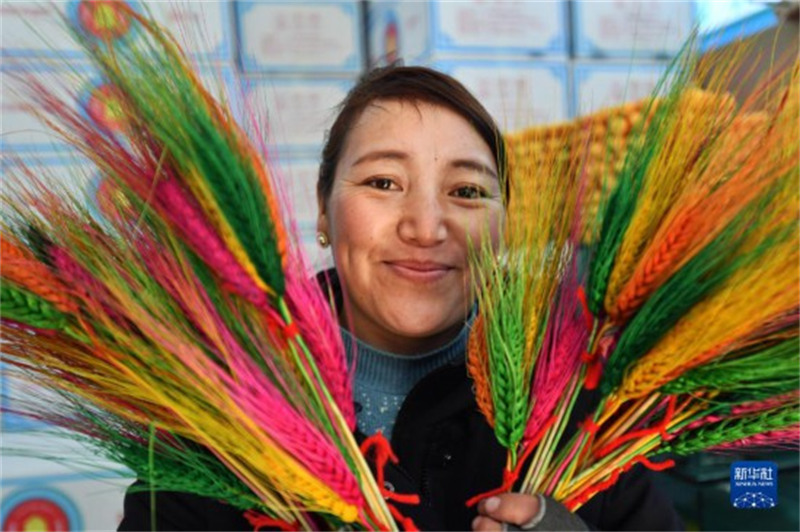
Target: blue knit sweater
(382, 379)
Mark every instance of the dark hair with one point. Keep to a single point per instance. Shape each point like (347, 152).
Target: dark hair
(414, 84)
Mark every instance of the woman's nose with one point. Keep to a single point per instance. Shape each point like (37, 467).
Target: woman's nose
(423, 220)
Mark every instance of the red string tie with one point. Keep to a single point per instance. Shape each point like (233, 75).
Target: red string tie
(660, 429)
(589, 425)
(382, 452)
(290, 329)
(587, 315)
(597, 360)
(405, 522)
(258, 521)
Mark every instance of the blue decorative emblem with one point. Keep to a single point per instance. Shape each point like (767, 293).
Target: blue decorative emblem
(754, 485)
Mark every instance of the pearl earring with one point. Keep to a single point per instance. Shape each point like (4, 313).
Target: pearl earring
(322, 240)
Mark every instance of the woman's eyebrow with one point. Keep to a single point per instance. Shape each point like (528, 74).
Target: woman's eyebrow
(474, 165)
(378, 155)
(398, 155)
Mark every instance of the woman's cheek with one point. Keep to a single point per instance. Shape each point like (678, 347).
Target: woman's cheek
(487, 227)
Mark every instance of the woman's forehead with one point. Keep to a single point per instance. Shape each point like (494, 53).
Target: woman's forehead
(383, 122)
(390, 108)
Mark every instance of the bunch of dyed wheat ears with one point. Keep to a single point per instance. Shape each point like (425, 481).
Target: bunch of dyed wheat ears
(184, 337)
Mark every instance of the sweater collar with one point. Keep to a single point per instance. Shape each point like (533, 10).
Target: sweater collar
(396, 373)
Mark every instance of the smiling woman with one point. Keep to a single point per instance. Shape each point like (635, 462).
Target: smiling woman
(412, 177)
(415, 184)
(410, 174)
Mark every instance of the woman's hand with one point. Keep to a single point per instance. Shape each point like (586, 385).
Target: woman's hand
(516, 511)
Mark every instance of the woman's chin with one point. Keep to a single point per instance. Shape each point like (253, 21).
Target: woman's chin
(411, 326)
(427, 332)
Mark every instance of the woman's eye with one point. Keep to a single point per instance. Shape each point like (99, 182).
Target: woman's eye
(469, 192)
(381, 183)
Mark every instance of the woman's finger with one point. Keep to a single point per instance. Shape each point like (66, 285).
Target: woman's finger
(486, 524)
(515, 511)
(515, 508)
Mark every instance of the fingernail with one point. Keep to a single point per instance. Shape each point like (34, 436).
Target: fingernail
(475, 522)
(491, 504)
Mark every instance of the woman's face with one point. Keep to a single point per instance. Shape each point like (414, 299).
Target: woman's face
(415, 188)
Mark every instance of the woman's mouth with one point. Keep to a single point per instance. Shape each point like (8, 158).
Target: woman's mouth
(420, 271)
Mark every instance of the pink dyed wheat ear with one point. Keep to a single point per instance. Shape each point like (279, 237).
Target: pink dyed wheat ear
(788, 439)
(316, 321)
(264, 405)
(560, 357)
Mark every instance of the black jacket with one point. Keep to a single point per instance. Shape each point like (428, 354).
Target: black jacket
(447, 454)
